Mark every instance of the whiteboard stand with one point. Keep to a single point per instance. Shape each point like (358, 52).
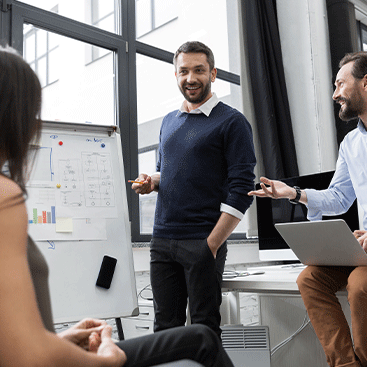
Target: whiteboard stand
(120, 330)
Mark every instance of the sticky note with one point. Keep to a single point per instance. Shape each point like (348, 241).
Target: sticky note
(64, 224)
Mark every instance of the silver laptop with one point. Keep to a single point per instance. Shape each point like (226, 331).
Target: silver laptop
(328, 242)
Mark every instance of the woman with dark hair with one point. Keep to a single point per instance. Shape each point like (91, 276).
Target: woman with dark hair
(27, 336)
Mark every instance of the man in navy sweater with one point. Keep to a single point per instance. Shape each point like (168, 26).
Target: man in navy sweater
(204, 172)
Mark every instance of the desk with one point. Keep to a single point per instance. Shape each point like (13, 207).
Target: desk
(279, 279)
(282, 309)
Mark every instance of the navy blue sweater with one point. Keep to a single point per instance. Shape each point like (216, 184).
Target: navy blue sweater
(204, 161)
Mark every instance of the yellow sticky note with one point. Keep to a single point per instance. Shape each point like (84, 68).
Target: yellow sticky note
(64, 224)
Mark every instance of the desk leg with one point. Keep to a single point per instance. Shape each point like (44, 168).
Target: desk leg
(230, 309)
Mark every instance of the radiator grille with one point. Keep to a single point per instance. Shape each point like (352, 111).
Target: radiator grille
(242, 337)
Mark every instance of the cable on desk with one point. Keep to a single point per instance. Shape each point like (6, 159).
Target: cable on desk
(292, 266)
(306, 321)
(146, 288)
(230, 274)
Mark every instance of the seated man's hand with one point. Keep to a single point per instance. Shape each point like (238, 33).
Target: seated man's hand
(361, 236)
(273, 189)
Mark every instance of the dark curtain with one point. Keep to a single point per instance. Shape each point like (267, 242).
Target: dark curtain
(269, 91)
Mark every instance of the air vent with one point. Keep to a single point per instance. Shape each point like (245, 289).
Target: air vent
(247, 345)
(250, 338)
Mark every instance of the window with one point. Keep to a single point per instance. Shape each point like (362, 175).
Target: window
(79, 93)
(103, 17)
(213, 22)
(41, 52)
(55, 48)
(103, 14)
(363, 37)
(157, 92)
(77, 54)
(152, 14)
(147, 163)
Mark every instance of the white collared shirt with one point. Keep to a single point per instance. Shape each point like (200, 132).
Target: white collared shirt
(205, 108)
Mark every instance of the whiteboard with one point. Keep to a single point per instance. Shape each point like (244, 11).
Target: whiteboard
(77, 212)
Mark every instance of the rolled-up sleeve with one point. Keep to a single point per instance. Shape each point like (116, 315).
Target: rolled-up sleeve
(335, 200)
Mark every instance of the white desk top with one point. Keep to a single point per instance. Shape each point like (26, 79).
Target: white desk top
(280, 279)
(276, 279)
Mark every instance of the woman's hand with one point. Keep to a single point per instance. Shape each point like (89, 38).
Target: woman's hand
(108, 348)
(94, 336)
(81, 332)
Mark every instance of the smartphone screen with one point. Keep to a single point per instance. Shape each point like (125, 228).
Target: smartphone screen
(106, 272)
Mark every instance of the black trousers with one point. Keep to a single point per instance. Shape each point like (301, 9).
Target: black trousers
(195, 342)
(181, 269)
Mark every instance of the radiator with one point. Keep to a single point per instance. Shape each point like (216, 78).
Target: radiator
(247, 345)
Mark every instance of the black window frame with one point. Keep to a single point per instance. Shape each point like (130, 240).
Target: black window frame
(362, 29)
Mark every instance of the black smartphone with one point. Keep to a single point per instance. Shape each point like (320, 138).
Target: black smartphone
(106, 272)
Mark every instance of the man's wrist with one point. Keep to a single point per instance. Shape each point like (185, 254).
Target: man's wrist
(155, 177)
(294, 194)
(297, 196)
(213, 242)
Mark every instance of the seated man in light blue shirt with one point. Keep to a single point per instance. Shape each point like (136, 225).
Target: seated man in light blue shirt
(318, 285)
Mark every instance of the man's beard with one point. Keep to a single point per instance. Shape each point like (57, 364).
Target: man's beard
(352, 108)
(199, 98)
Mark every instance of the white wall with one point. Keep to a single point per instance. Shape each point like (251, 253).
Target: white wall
(305, 46)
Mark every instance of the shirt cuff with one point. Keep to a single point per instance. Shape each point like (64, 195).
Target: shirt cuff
(313, 205)
(230, 210)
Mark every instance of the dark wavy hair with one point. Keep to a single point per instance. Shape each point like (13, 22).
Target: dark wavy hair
(359, 69)
(195, 47)
(20, 105)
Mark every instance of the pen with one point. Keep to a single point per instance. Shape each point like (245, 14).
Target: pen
(132, 181)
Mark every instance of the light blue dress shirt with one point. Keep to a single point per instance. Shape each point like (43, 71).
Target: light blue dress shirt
(349, 181)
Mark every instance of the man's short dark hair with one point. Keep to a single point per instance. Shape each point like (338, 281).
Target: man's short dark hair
(359, 69)
(195, 47)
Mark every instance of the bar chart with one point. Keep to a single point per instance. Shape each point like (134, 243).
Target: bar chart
(43, 216)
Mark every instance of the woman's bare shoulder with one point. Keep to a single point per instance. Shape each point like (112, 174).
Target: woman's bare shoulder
(9, 190)
(13, 216)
